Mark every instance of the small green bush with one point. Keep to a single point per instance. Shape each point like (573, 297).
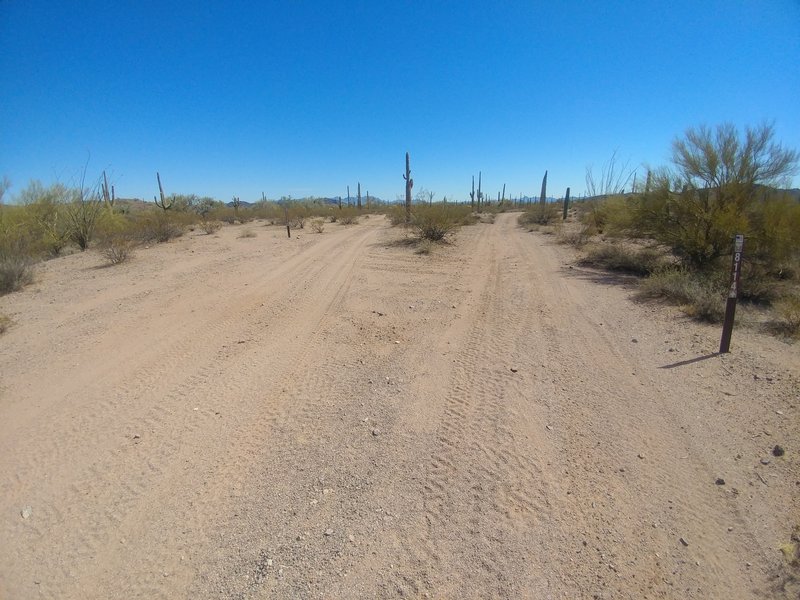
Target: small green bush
(435, 222)
(159, 226)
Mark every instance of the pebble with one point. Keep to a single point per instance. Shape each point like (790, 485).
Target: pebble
(329, 532)
(376, 432)
(720, 481)
(514, 369)
(778, 451)
(634, 340)
(684, 542)
(26, 512)
(548, 427)
(764, 461)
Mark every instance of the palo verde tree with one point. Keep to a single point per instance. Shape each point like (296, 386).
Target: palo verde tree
(720, 186)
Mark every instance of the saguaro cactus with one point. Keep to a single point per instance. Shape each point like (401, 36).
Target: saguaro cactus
(164, 204)
(236, 202)
(359, 195)
(543, 197)
(367, 200)
(109, 199)
(503, 197)
(480, 194)
(566, 206)
(348, 196)
(472, 194)
(409, 185)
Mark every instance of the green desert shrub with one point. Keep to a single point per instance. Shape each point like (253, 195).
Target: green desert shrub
(435, 222)
(160, 226)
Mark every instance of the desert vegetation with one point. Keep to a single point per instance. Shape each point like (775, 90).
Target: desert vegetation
(676, 228)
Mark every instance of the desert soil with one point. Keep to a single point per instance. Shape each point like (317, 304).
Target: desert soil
(335, 416)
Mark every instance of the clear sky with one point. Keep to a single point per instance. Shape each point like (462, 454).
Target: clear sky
(304, 98)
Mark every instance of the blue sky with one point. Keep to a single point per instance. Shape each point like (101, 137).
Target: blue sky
(304, 98)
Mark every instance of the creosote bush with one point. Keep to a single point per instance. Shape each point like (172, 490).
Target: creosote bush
(247, 233)
(318, 225)
(435, 222)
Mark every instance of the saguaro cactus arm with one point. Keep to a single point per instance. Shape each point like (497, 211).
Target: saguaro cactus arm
(163, 204)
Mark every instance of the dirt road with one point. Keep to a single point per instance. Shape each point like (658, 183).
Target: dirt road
(335, 416)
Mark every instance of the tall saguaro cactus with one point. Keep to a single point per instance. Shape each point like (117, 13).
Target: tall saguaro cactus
(566, 206)
(348, 196)
(503, 198)
(543, 197)
(359, 195)
(409, 185)
(480, 194)
(472, 194)
(109, 199)
(368, 200)
(164, 204)
(236, 203)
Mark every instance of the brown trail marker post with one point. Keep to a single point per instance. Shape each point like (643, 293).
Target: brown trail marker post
(733, 294)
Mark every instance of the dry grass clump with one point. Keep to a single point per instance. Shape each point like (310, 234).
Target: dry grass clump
(318, 225)
(247, 233)
(5, 323)
(117, 250)
(787, 317)
(538, 214)
(618, 257)
(576, 237)
(348, 219)
(211, 226)
(15, 273)
(697, 296)
(424, 247)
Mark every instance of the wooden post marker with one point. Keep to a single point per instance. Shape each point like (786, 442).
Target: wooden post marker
(733, 294)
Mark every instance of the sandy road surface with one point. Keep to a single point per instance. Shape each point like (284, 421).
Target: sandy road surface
(334, 416)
